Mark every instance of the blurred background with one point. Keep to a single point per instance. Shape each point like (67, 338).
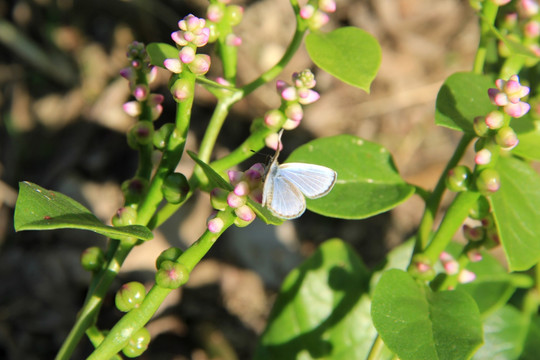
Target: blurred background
(62, 127)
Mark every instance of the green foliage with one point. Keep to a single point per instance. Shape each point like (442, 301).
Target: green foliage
(516, 211)
(350, 54)
(322, 310)
(41, 209)
(368, 182)
(528, 131)
(462, 97)
(158, 52)
(417, 323)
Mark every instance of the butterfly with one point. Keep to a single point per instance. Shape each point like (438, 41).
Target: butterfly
(286, 185)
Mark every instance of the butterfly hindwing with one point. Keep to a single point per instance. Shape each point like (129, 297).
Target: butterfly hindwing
(312, 180)
(286, 201)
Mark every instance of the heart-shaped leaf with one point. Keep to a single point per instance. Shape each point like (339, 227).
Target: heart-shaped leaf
(348, 53)
(368, 182)
(41, 209)
(217, 181)
(158, 52)
(516, 211)
(462, 97)
(416, 323)
(322, 311)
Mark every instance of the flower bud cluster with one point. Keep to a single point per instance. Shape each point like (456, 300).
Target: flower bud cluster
(293, 97)
(522, 25)
(508, 94)
(315, 12)
(140, 74)
(193, 34)
(221, 18)
(246, 184)
(484, 235)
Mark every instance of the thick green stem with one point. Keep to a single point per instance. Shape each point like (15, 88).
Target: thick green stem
(432, 205)
(120, 334)
(90, 309)
(487, 18)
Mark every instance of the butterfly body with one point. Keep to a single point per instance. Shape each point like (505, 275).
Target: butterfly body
(286, 185)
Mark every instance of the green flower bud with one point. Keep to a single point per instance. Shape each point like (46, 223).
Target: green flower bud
(175, 188)
(124, 216)
(172, 275)
(506, 138)
(133, 189)
(130, 296)
(480, 209)
(234, 14)
(140, 134)
(422, 268)
(218, 198)
(492, 238)
(161, 136)
(182, 89)
(488, 181)
(459, 178)
(92, 259)
(480, 127)
(171, 254)
(137, 344)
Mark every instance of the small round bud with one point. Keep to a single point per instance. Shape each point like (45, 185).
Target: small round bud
(242, 188)
(451, 266)
(218, 198)
(235, 201)
(422, 268)
(171, 254)
(480, 127)
(172, 275)
(133, 189)
(458, 179)
(494, 120)
(138, 343)
(488, 182)
(473, 233)
(200, 64)
(187, 54)
(234, 14)
(506, 138)
(245, 213)
(235, 176)
(492, 238)
(132, 108)
(124, 216)
(215, 225)
(161, 136)
(466, 276)
(181, 89)
(130, 296)
(92, 259)
(483, 157)
(274, 118)
(173, 65)
(474, 255)
(214, 12)
(175, 188)
(140, 134)
(479, 209)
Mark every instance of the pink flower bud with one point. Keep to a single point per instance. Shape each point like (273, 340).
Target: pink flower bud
(235, 201)
(253, 178)
(181, 89)
(187, 54)
(291, 124)
(201, 38)
(280, 85)
(517, 110)
(494, 120)
(178, 38)
(222, 81)
(215, 225)
(294, 112)
(273, 118)
(156, 111)
(497, 97)
(474, 256)
(422, 267)
(328, 6)
(152, 74)
(307, 11)
(173, 65)
(257, 195)
(214, 12)
(529, 8)
(245, 213)
(308, 96)
(200, 65)
(466, 276)
(155, 99)
(318, 20)
(501, 2)
(473, 233)
(132, 108)
(482, 157)
(233, 40)
(126, 73)
(506, 138)
(242, 188)
(272, 141)
(234, 176)
(532, 29)
(289, 94)
(258, 167)
(140, 92)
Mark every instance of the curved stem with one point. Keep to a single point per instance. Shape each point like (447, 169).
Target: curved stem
(138, 317)
(487, 18)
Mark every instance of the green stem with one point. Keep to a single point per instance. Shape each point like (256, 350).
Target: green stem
(228, 55)
(434, 200)
(170, 159)
(376, 349)
(130, 323)
(456, 213)
(487, 18)
(90, 309)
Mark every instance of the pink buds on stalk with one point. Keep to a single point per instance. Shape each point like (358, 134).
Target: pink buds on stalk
(508, 95)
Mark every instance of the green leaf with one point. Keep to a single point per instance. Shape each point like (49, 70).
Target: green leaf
(528, 131)
(368, 182)
(217, 181)
(532, 345)
(348, 53)
(504, 332)
(515, 47)
(322, 310)
(158, 52)
(462, 97)
(41, 209)
(492, 286)
(516, 211)
(417, 323)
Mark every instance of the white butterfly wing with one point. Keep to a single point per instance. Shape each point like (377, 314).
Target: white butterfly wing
(281, 196)
(312, 180)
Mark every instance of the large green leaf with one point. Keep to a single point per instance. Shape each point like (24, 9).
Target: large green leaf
(158, 52)
(516, 211)
(417, 323)
(528, 131)
(41, 209)
(505, 331)
(462, 97)
(348, 53)
(322, 311)
(368, 182)
(217, 181)
(532, 342)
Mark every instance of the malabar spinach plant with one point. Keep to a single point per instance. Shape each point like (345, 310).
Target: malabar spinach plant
(432, 298)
